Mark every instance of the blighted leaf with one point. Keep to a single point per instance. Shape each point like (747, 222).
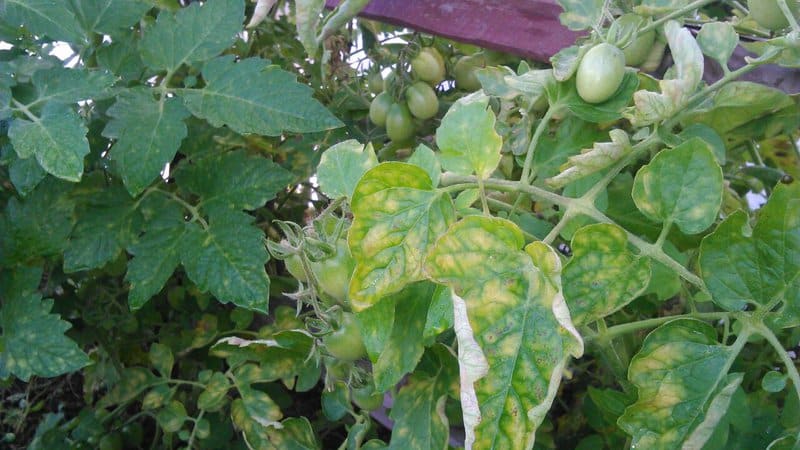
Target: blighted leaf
(603, 275)
(658, 7)
(132, 382)
(425, 158)
(227, 259)
(592, 160)
(756, 266)
(707, 134)
(32, 338)
(148, 134)
(172, 416)
(682, 186)
(251, 96)
(233, 181)
(281, 355)
(215, 393)
(440, 313)
(419, 407)
(57, 139)
(715, 412)
(397, 216)
(196, 33)
(44, 17)
(572, 135)
(565, 62)
(342, 165)
(307, 19)
(493, 80)
(162, 359)
(467, 138)
(677, 373)
(718, 40)
(259, 406)
(581, 14)
(516, 313)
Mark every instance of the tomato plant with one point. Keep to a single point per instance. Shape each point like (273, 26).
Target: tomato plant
(219, 235)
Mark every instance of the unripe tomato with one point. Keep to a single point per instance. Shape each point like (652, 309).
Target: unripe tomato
(422, 100)
(600, 73)
(375, 83)
(399, 123)
(295, 267)
(638, 50)
(379, 108)
(769, 15)
(366, 398)
(389, 81)
(464, 71)
(428, 66)
(345, 342)
(333, 274)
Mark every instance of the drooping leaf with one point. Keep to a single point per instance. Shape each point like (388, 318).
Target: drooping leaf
(148, 134)
(397, 216)
(603, 275)
(515, 311)
(227, 259)
(592, 160)
(572, 135)
(658, 7)
(32, 339)
(196, 33)
(580, 14)
(109, 16)
(677, 373)
(467, 138)
(755, 266)
(233, 181)
(57, 139)
(718, 40)
(251, 96)
(342, 165)
(682, 185)
(51, 18)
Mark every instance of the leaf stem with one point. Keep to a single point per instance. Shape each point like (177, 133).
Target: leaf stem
(188, 206)
(482, 191)
(630, 327)
(663, 235)
(526, 168)
(791, 368)
(677, 13)
(24, 109)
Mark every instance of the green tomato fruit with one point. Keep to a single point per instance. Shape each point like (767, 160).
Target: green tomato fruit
(600, 73)
(333, 274)
(399, 123)
(345, 342)
(465, 71)
(769, 15)
(379, 108)
(428, 66)
(422, 100)
(375, 83)
(389, 82)
(111, 441)
(366, 398)
(295, 267)
(638, 50)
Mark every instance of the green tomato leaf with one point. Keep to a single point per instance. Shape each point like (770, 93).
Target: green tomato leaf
(162, 359)
(715, 413)
(467, 138)
(342, 165)
(109, 16)
(64, 85)
(156, 254)
(397, 216)
(773, 381)
(196, 33)
(580, 14)
(603, 275)
(251, 96)
(57, 139)
(659, 7)
(517, 318)
(718, 40)
(44, 17)
(259, 407)
(233, 181)
(677, 373)
(419, 407)
(32, 339)
(566, 94)
(25, 174)
(107, 223)
(281, 356)
(308, 14)
(148, 134)
(682, 185)
(741, 266)
(227, 259)
(172, 416)
(425, 158)
(440, 313)
(216, 392)
(593, 160)
(396, 344)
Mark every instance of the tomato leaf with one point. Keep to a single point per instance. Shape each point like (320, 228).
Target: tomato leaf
(592, 160)
(342, 165)
(109, 16)
(44, 17)
(682, 185)
(603, 275)
(467, 138)
(718, 40)
(63, 85)
(397, 216)
(251, 96)
(425, 158)
(33, 340)
(581, 14)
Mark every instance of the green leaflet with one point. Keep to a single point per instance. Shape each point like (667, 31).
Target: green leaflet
(25, 174)
(682, 185)
(233, 181)
(193, 34)
(342, 165)
(718, 40)
(418, 410)
(580, 14)
(148, 134)
(251, 96)
(394, 333)
(678, 373)
(109, 16)
(467, 138)
(397, 216)
(425, 158)
(63, 85)
(741, 266)
(32, 339)
(227, 259)
(307, 19)
(45, 17)
(156, 255)
(57, 139)
(518, 319)
(593, 160)
(603, 275)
